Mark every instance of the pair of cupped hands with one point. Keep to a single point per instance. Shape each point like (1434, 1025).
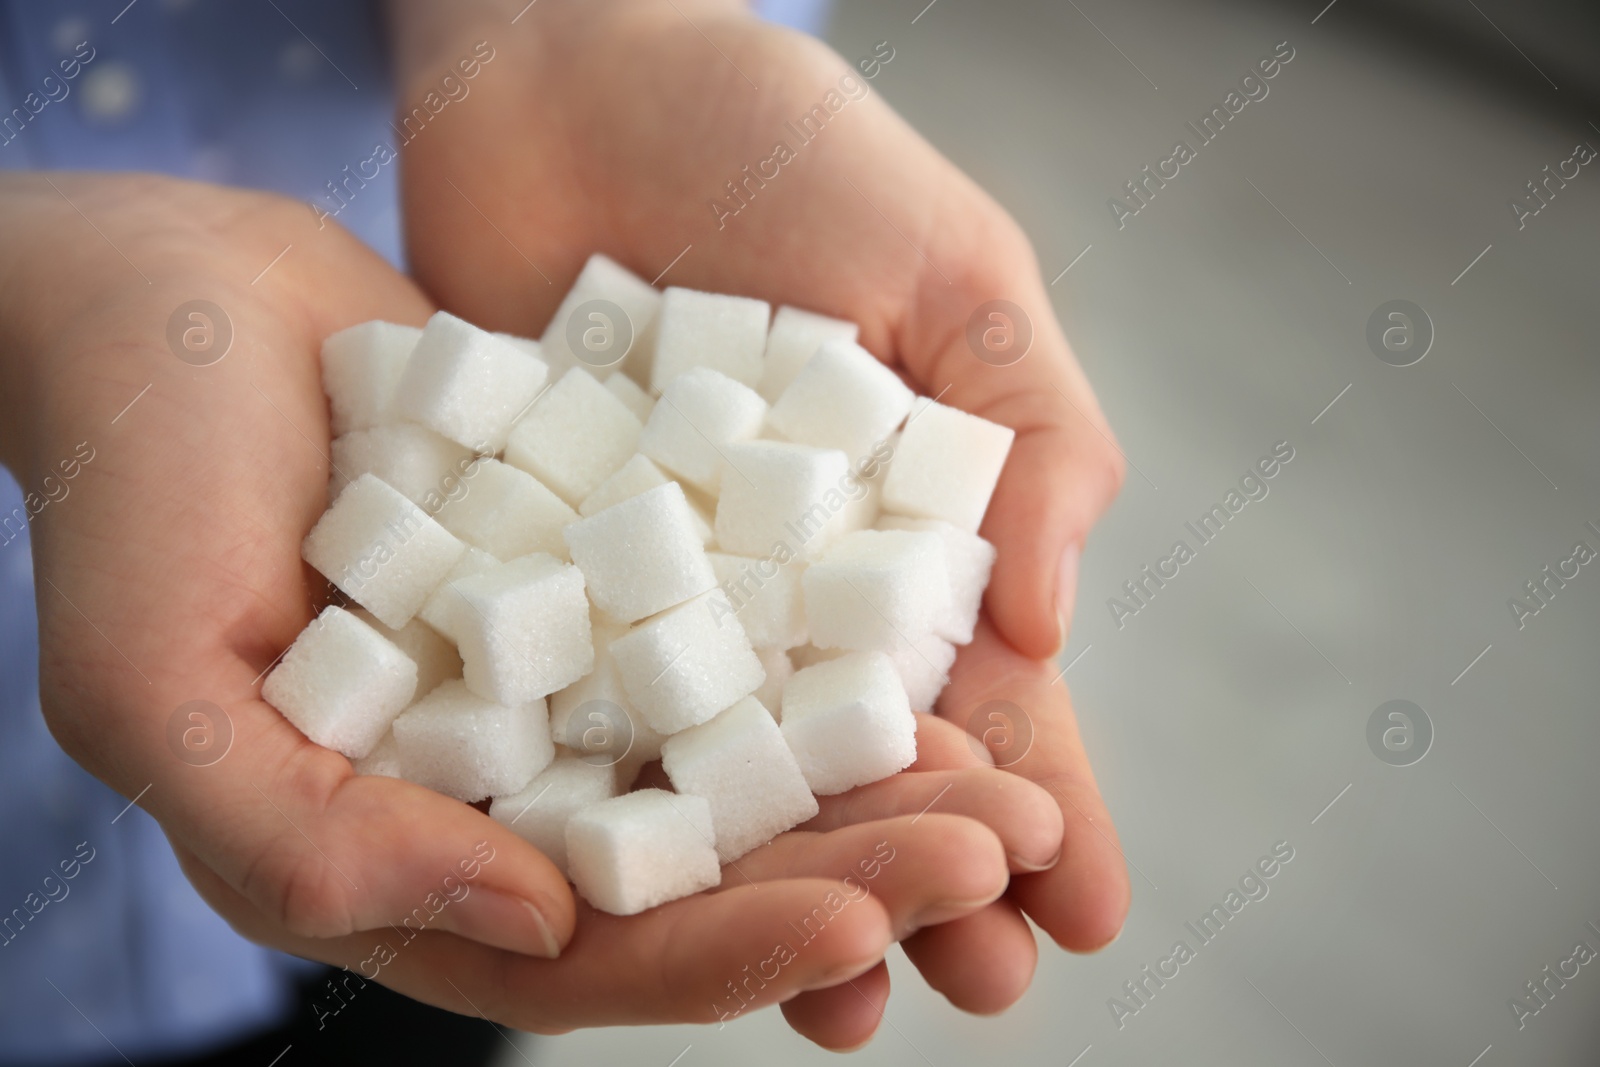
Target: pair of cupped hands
(172, 572)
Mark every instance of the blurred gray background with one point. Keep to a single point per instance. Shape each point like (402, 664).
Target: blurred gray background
(1233, 708)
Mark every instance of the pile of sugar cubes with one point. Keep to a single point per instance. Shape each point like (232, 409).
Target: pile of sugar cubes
(669, 530)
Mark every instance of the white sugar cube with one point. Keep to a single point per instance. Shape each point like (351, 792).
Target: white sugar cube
(604, 629)
(641, 556)
(467, 384)
(360, 368)
(795, 336)
(603, 340)
(864, 491)
(628, 391)
(703, 522)
(341, 683)
(725, 333)
(775, 661)
(525, 345)
(439, 610)
(630, 479)
(699, 414)
(424, 466)
(785, 663)
(436, 658)
(842, 398)
(774, 494)
(740, 763)
(641, 849)
(507, 512)
(848, 722)
(540, 811)
(766, 595)
(574, 437)
(381, 549)
(383, 761)
(968, 560)
(595, 718)
(524, 630)
(946, 465)
(924, 668)
(688, 663)
(701, 510)
(459, 744)
(874, 587)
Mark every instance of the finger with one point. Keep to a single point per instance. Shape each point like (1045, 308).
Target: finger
(1024, 817)
(943, 746)
(701, 959)
(845, 1017)
(1082, 900)
(1063, 472)
(982, 963)
(283, 820)
(707, 958)
(326, 852)
(1064, 468)
(922, 871)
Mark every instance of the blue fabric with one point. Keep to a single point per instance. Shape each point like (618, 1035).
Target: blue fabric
(124, 952)
(233, 93)
(125, 939)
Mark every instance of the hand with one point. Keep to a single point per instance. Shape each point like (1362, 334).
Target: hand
(171, 572)
(614, 127)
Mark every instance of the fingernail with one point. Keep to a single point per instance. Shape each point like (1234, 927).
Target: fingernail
(1026, 867)
(504, 921)
(1067, 585)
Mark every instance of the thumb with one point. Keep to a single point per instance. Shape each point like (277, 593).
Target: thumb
(991, 343)
(322, 852)
(327, 853)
